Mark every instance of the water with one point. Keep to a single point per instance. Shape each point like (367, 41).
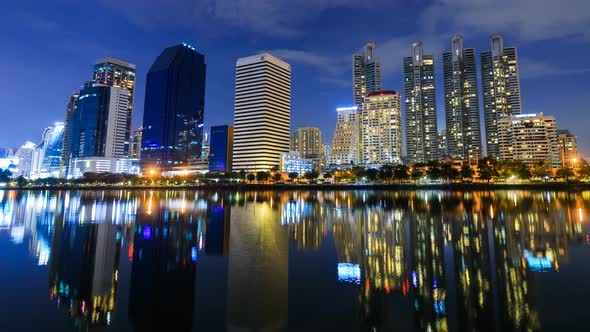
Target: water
(294, 261)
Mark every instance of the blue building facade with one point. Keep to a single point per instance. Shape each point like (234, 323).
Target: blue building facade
(174, 109)
(88, 132)
(221, 149)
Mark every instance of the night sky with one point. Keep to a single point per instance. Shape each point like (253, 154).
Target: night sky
(49, 47)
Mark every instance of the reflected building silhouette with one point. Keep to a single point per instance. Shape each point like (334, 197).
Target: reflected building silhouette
(84, 270)
(257, 290)
(218, 224)
(166, 246)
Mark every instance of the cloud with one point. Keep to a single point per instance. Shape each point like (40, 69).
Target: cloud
(530, 68)
(530, 20)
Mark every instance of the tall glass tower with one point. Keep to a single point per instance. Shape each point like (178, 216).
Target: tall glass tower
(420, 104)
(366, 74)
(461, 102)
(173, 111)
(501, 89)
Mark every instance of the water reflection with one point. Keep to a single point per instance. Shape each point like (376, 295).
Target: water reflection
(424, 261)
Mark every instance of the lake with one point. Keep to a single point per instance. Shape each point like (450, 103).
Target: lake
(294, 261)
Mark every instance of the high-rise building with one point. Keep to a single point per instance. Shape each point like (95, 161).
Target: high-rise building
(24, 154)
(174, 109)
(461, 102)
(530, 138)
(442, 143)
(99, 123)
(568, 147)
(381, 128)
(501, 89)
(326, 156)
(308, 142)
(65, 151)
(366, 74)
(420, 105)
(47, 155)
(221, 149)
(262, 112)
(345, 144)
(135, 144)
(119, 74)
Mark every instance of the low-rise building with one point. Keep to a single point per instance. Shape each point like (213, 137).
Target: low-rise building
(79, 166)
(292, 162)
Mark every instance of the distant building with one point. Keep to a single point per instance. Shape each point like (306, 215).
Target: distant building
(47, 155)
(501, 89)
(262, 115)
(119, 74)
(66, 153)
(345, 144)
(135, 144)
(530, 138)
(420, 106)
(308, 142)
(221, 151)
(381, 128)
(206, 146)
(568, 147)
(292, 162)
(98, 123)
(326, 156)
(461, 102)
(366, 74)
(24, 154)
(79, 166)
(442, 143)
(174, 108)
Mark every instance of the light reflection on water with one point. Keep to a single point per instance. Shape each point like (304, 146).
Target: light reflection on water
(302, 261)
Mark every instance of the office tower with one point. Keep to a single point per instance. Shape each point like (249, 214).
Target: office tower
(308, 142)
(420, 104)
(326, 155)
(262, 112)
(501, 89)
(442, 143)
(65, 151)
(206, 146)
(24, 154)
(174, 108)
(530, 138)
(461, 102)
(99, 123)
(366, 74)
(381, 128)
(135, 144)
(568, 147)
(119, 74)
(345, 144)
(222, 149)
(47, 155)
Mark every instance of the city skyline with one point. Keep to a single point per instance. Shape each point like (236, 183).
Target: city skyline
(321, 70)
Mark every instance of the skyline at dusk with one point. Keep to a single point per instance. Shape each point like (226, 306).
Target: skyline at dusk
(52, 47)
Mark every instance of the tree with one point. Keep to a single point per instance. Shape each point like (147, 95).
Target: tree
(448, 172)
(416, 173)
(467, 172)
(251, 177)
(5, 175)
(541, 170)
(488, 169)
(277, 176)
(372, 174)
(312, 175)
(565, 173)
(242, 175)
(386, 172)
(21, 181)
(434, 170)
(262, 176)
(293, 175)
(328, 175)
(583, 171)
(401, 172)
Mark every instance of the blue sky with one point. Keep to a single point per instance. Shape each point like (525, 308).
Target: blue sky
(48, 48)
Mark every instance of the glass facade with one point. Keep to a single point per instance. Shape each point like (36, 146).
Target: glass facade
(174, 108)
(221, 149)
(88, 133)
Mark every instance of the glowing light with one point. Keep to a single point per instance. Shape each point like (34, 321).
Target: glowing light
(147, 232)
(349, 273)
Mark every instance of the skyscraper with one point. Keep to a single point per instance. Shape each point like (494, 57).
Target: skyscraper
(568, 149)
(345, 144)
(119, 74)
(308, 142)
(366, 74)
(381, 128)
(501, 89)
(461, 102)
(135, 144)
(530, 138)
(65, 151)
(262, 112)
(47, 155)
(221, 149)
(420, 104)
(174, 108)
(99, 123)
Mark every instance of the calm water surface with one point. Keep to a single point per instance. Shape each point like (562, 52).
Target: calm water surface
(294, 261)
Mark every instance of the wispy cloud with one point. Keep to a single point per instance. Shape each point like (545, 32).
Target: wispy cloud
(530, 68)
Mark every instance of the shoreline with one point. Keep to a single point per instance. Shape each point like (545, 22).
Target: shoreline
(330, 187)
